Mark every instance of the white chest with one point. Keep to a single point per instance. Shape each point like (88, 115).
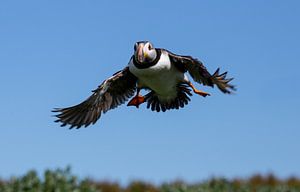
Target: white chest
(161, 78)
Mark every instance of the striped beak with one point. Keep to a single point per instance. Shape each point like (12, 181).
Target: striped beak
(140, 53)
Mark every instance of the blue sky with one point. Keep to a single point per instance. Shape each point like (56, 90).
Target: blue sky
(53, 53)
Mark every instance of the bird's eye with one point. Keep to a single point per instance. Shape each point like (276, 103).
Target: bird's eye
(149, 47)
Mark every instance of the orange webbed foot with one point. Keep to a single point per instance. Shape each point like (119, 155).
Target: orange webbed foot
(136, 101)
(202, 93)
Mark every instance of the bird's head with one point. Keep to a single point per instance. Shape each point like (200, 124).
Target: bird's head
(144, 52)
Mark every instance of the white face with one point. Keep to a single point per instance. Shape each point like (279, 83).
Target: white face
(144, 52)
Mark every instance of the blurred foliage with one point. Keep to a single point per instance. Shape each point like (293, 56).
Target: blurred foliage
(62, 180)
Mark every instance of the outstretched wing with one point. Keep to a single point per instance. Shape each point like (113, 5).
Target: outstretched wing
(113, 92)
(200, 74)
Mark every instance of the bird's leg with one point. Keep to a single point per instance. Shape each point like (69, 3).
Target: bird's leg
(202, 93)
(137, 100)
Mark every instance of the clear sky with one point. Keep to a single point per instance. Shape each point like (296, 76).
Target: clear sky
(53, 53)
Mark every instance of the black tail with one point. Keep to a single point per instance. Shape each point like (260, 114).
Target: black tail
(180, 101)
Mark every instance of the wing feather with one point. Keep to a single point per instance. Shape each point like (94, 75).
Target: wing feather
(200, 74)
(113, 92)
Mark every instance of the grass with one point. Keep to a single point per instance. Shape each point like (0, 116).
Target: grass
(62, 180)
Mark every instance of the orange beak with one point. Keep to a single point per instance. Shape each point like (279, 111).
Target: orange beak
(140, 53)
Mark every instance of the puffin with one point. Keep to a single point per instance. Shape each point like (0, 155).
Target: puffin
(160, 72)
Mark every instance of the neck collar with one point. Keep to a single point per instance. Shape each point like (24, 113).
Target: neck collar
(147, 64)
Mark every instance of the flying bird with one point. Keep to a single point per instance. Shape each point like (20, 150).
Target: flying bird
(157, 70)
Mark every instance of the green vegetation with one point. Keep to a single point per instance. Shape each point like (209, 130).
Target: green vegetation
(63, 181)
